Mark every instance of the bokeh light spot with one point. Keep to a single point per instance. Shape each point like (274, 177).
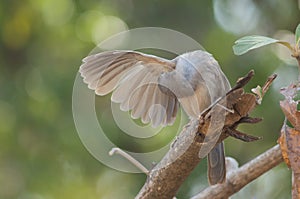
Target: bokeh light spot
(85, 24)
(35, 87)
(7, 117)
(16, 31)
(57, 12)
(107, 26)
(281, 51)
(94, 26)
(236, 16)
(11, 180)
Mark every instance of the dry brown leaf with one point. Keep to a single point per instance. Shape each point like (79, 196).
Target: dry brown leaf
(293, 145)
(289, 106)
(296, 186)
(289, 142)
(290, 147)
(289, 92)
(283, 146)
(290, 137)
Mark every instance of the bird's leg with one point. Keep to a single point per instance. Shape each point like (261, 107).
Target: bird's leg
(249, 120)
(231, 131)
(241, 136)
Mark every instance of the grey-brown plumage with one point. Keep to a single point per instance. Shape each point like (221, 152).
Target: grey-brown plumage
(153, 88)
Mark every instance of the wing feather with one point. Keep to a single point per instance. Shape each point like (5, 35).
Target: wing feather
(144, 93)
(158, 109)
(133, 78)
(126, 91)
(148, 103)
(172, 107)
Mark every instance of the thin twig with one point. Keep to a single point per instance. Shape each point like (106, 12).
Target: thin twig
(129, 158)
(242, 176)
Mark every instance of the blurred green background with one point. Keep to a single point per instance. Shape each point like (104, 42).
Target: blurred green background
(42, 43)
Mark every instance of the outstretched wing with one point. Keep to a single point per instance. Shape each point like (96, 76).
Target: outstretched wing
(134, 78)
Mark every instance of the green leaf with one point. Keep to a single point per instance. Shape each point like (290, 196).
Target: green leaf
(247, 43)
(297, 33)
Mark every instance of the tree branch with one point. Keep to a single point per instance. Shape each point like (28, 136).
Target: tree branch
(167, 176)
(129, 158)
(240, 177)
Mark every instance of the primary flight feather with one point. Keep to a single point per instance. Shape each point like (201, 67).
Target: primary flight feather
(153, 87)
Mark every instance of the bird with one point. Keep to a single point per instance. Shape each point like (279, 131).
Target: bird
(153, 88)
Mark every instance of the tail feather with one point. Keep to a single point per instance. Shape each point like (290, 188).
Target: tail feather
(216, 165)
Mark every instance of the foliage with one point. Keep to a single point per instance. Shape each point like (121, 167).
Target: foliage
(248, 43)
(41, 47)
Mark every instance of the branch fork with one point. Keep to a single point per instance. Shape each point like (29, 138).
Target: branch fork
(164, 180)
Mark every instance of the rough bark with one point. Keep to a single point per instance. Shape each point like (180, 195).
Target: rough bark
(167, 176)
